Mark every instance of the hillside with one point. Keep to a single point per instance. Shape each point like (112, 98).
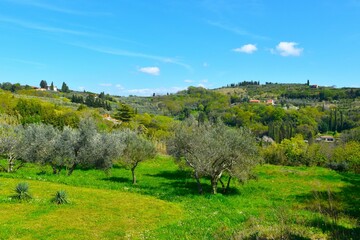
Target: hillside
(294, 175)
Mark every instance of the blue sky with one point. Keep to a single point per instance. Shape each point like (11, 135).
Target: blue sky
(140, 47)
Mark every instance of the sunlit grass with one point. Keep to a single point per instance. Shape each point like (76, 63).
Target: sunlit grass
(165, 204)
(93, 213)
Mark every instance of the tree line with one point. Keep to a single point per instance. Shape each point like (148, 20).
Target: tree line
(92, 100)
(209, 150)
(70, 148)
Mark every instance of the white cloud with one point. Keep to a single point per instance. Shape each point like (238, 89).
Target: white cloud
(288, 49)
(150, 70)
(81, 88)
(204, 81)
(248, 48)
(188, 81)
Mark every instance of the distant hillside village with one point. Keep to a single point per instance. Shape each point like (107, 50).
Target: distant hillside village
(45, 87)
(7, 86)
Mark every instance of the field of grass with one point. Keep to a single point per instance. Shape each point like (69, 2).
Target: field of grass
(281, 202)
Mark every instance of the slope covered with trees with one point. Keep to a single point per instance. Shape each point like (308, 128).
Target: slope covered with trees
(214, 136)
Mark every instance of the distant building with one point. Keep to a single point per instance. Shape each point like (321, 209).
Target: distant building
(270, 102)
(314, 86)
(325, 139)
(267, 140)
(254, 101)
(109, 118)
(55, 88)
(41, 89)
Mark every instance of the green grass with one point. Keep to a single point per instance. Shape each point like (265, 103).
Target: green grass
(289, 202)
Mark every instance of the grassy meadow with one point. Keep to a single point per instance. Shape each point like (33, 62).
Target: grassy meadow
(278, 203)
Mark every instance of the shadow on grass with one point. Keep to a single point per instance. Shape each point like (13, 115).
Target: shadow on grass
(351, 194)
(168, 185)
(117, 179)
(336, 231)
(332, 206)
(172, 175)
(42, 173)
(182, 183)
(289, 236)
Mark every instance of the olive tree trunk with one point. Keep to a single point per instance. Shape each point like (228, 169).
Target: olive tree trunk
(133, 175)
(197, 178)
(72, 168)
(11, 161)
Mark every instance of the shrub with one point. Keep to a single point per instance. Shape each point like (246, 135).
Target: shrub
(60, 197)
(338, 166)
(349, 153)
(22, 191)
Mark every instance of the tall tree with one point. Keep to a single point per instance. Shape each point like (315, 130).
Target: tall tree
(124, 113)
(43, 84)
(65, 88)
(52, 86)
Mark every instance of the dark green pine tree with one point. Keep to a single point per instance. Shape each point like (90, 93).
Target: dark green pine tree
(52, 86)
(43, 84)
(65, 88)
(124, 113)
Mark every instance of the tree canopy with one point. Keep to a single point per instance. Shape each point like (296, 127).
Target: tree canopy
(214, 149)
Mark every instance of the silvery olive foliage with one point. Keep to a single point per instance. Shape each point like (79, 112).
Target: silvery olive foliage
(10, 144)
(214, 149)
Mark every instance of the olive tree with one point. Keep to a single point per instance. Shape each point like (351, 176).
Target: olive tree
(38, 144)
(10, 141)
(137, 149)
(106, 148)
(94, 149)
(69, 148)
(213, 149)
(64, 156)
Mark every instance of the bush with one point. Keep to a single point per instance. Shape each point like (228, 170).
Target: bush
(60, 197)
(339, 166)
(349, 153)
(22, 191)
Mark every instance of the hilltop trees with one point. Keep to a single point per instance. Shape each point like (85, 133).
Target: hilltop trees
(212, 150)
(52, 86)
(92, 101)
(43, 84)
(65, 88)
